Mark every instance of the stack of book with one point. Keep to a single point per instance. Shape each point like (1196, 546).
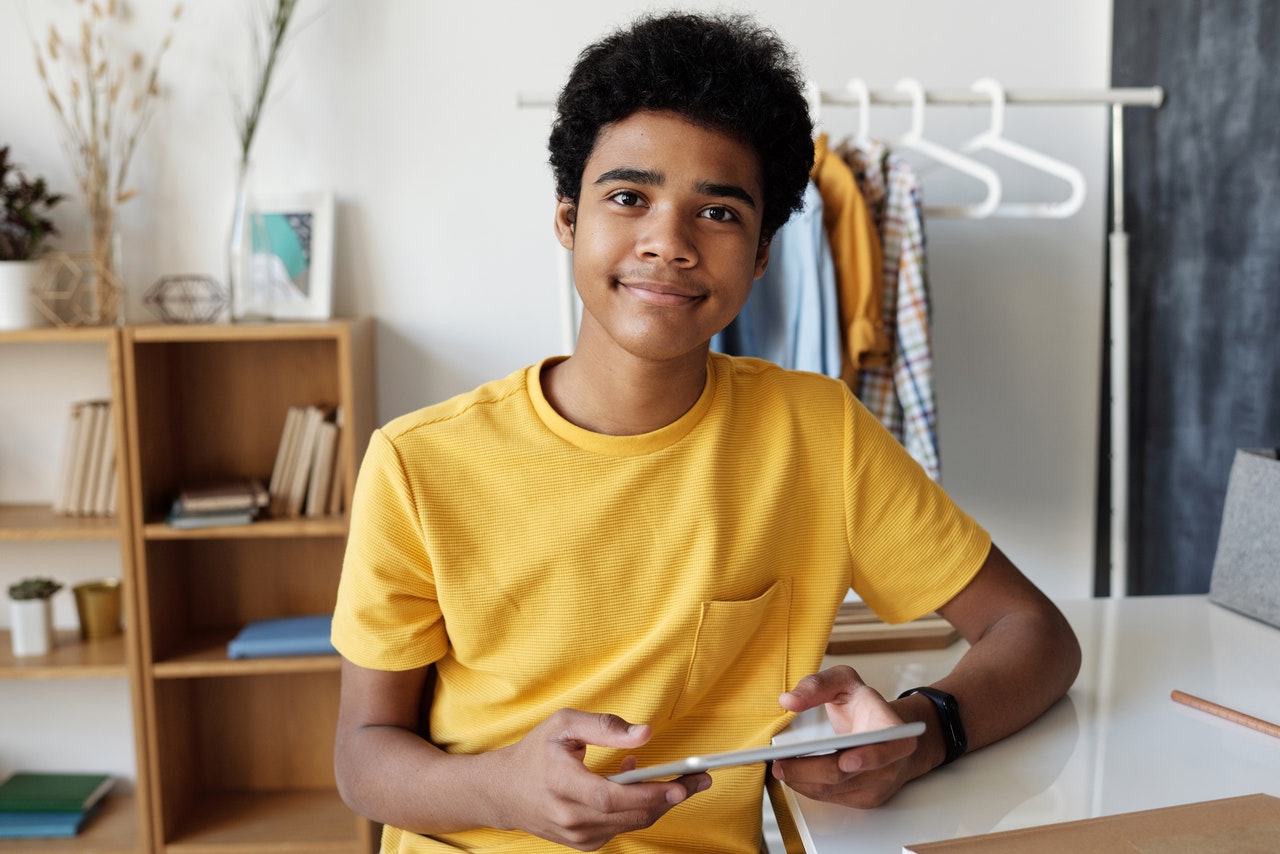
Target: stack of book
(87, 485)
(234, 503)
(307, 479)
(35, 805)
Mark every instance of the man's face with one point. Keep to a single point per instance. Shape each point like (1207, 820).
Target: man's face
(665, 236)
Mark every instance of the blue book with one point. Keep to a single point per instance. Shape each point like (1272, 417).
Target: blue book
(281, 636)
(44, 824)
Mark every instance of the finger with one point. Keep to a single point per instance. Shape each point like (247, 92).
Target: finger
(874, 756)
(833, 685)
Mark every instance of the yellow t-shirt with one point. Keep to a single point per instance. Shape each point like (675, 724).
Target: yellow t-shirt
(682, 578)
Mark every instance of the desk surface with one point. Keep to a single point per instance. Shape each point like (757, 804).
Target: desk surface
(1116, 743)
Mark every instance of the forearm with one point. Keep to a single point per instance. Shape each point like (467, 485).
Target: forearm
(396, 777)
(1014, 671)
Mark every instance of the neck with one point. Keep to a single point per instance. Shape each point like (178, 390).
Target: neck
(626, 396)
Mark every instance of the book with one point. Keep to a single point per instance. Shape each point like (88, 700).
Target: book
(281, 472)
(93, 462)
(321, 469)
(49, 791)
(280, 636)
(62, 499)
(303, 453)
(337, 489)
(105, 480)
(186, 520)
(238, 495)
(44, 824)
(1246, 823)
(80, 459)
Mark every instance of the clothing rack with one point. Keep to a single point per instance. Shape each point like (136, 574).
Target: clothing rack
(907, 93)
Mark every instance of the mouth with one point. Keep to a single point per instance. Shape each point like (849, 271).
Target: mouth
(659, 293)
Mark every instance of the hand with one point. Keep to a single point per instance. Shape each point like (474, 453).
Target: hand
(861, 777)
(549, 792)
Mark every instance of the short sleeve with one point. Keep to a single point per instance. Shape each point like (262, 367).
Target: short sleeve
(913, 548)
(387, 615)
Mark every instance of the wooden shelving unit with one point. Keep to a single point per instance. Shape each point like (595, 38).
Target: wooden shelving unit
(123, 824)
(241, 751)
(233, 756)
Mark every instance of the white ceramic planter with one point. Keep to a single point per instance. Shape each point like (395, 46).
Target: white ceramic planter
(17, 307)
(31, 626)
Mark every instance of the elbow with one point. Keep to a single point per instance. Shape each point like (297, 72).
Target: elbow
(1067, 651)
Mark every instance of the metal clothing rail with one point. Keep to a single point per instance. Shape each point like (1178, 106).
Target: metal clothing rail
(1151, 96)
(857, 94)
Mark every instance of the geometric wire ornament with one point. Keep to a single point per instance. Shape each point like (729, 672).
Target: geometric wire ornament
(189, 298)
(77, 289)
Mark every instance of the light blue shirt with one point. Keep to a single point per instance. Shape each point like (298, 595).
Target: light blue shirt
(792, 317)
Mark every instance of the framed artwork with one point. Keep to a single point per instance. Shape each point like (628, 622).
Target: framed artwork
(288, 265)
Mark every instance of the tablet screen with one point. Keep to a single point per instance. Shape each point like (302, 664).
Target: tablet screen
(809, 747)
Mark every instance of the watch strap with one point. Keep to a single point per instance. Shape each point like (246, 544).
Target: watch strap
(953, 734)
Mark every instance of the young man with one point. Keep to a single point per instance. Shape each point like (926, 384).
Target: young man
(636, 553)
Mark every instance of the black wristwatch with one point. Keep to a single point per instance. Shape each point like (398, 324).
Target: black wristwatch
(949, 716)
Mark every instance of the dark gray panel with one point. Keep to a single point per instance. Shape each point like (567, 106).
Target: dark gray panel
(1202, 202)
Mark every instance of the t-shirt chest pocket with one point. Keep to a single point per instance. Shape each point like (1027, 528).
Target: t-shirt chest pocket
(739, 662)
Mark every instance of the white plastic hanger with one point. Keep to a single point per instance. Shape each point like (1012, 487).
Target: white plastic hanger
(993, 140)
(857, 87)
(914, 140)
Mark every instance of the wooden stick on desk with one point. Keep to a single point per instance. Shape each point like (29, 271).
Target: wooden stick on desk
(1232, 715)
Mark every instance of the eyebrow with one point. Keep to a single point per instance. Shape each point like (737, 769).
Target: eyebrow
(649, 177)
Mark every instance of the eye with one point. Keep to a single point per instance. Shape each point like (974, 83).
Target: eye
(626, 198)
(720, 214)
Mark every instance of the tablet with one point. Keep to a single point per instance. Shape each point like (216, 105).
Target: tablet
(810, 747)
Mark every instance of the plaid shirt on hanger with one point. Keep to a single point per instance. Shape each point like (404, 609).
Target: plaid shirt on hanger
(900, 395)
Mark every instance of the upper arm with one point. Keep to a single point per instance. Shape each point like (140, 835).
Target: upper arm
(999, 591)
(371, 698)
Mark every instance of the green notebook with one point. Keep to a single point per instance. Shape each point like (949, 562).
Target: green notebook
(34, 791)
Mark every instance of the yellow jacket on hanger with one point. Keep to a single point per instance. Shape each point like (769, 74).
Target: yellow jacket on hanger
(855, 251)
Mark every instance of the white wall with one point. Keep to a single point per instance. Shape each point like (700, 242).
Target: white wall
(407, 110)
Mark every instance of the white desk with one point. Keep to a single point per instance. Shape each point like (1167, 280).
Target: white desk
(1116, 743)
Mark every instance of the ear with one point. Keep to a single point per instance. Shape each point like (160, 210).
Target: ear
(762, 258)
(566, 218)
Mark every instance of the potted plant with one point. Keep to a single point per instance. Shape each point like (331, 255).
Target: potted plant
(31, 615)
(24, 226)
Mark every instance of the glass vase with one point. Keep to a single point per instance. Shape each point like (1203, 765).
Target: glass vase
(240, 287)
(106, 298)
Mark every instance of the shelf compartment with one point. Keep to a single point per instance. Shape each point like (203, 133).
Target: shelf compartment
(206, 655)
(248, 764)
(213, 409)
(70, 658)
(316, 822)
(27, 522)
(196, 587)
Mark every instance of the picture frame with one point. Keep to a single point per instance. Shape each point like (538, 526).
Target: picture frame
(288, 265)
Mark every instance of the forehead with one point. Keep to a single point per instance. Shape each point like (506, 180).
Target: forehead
(670, 145)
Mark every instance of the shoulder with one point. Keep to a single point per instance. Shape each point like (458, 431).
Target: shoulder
(746, 375)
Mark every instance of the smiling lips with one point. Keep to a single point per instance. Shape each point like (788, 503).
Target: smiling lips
(658, 293)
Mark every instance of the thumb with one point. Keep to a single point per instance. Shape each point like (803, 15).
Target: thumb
(604, 730)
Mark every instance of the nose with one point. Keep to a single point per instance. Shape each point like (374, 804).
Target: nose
(667, 237)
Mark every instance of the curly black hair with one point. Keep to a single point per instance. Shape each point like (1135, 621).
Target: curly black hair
(721, 72)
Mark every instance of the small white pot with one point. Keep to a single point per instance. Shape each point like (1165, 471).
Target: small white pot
(31, 626)
(17, 304)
